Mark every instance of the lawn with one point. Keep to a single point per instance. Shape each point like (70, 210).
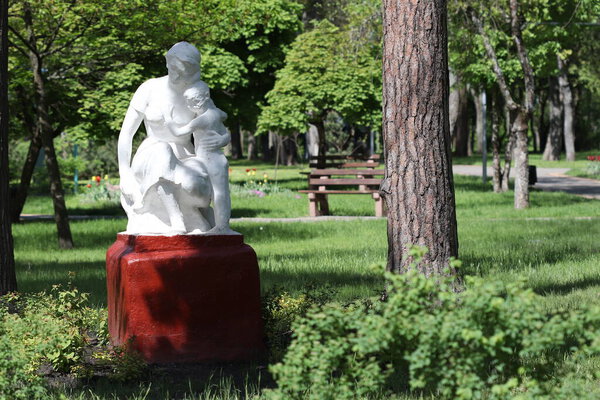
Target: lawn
(553, 246)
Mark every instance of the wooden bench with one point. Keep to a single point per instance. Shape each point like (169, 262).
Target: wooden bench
(322, 182)
(342, 161)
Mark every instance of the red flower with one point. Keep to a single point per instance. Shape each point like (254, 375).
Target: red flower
(597, 158)
(591, 158)
(97, 179)
(254, 169)
(88, 185)
(247, 169)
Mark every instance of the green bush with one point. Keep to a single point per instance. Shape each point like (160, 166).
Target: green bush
(489, 341)
(55, 333)
(280, 309)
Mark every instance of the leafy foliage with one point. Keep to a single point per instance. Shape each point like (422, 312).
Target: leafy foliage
(490, 341)
(321, 74)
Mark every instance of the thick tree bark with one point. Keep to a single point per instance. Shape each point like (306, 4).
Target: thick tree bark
(566, 96)
(8, 280)
(554, 140)
(418, 186)
(65, 240)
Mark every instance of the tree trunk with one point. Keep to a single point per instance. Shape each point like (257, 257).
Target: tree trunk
(508, 151)
(418, 186)
(461, 125)
(267, 153)
(251, 153)
(18, 202)
(65, 240)
(236, 141)
(8, 280)
(566, 96)
(496, 166)
(291, 150)
(478, 120)
(554, 139)
(520, 128)
(320, 125)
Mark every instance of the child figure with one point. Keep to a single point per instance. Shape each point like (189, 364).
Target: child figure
(210, 135)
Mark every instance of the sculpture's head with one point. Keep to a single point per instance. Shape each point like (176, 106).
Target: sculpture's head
(183, 63)
(196, 96)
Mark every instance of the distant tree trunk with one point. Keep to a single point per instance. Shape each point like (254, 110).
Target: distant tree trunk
(566, 96)
(251, 153)
(418, 186)
(65, 240)
(524, 109)
(537, 123)
(554, 139)
(8, 280)
(476, 94)
(320, 125)
(18, 202)
(291, 150)
(508, 156)
(461, 124)
(267, 152)
(520, 129)
(237, 152)
(496, 166)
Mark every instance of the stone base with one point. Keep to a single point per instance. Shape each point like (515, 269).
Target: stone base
(185, 298)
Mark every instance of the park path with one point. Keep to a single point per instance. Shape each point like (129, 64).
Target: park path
(550, 179)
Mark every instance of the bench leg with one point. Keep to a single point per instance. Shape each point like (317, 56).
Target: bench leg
(323, 204)
(317, 204)
(313, 210)
(379, 205)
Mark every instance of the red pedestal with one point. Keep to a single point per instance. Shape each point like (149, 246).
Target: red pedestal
(185, 298)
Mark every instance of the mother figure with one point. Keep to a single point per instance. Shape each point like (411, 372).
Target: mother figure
(165, 189)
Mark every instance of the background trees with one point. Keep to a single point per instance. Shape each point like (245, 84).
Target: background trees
(8, 280)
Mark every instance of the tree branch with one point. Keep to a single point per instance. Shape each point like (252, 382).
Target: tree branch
(491, 53)
(517, 34)
(23, 40)
(20, 49)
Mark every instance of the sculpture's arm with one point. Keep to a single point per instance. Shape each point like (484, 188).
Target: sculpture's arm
(131, 123)
(214, 141)
(195, 124)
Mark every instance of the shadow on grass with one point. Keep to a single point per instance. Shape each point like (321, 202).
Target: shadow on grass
(566, 288)
(179, 381)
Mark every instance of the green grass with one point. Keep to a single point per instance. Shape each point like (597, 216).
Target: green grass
(534, 159)
(553, 246)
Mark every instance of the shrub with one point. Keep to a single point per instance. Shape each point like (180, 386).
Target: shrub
(489, 341)
(55, 333)
(280, 309)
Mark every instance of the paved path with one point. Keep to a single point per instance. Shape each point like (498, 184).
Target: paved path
(550, 179)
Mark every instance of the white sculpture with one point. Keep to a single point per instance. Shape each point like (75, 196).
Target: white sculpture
(169, 185)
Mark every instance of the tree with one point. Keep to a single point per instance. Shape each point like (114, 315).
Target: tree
(321, 75)
(8, 281)
(418, 185)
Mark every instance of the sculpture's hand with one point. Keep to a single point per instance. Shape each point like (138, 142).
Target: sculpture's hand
(130, 190)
